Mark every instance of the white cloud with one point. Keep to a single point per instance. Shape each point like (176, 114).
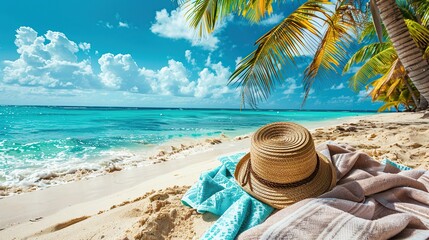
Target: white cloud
(170, 80)
(173, 80)
(50, 62)
(237, 61)
(189, 59)
(363, 94)
(341, 100)
(12, 94)
(120, 72)
(47, 61)
(310, 93)
(291, 86)
(119, 24)
(108, 25)
(208, 60)
(212, 81)
(339, 87)
(272, 19)
(174, 25)
(84, 46)
(123, 25)
(60, 47)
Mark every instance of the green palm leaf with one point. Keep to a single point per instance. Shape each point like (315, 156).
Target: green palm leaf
(393, 87)
(369, 33)
(378, 64)
(426, 53)
(365, 53)
(422, 8)
(407, 9)
(419, 33)
(331, 51)
(388, 106)
(205, 14)
(380, 83)
(261, 70)
(256, 9)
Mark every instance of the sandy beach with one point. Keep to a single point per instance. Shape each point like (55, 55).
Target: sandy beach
(188, 120)
(144, 202)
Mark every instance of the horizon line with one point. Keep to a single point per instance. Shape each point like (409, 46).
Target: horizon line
(188, 108)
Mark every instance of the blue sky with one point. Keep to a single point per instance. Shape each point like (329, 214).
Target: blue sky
(139, 53)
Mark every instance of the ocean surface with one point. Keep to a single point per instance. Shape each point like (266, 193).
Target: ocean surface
(36, 142)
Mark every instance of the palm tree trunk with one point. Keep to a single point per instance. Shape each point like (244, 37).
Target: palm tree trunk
(423, 104)
(408, 52)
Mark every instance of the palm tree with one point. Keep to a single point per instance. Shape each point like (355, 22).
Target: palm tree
(393, 87)
(380, 59)
(260, 71)
(410, 55)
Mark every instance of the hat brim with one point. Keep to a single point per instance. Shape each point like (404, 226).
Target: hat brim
(279, 198)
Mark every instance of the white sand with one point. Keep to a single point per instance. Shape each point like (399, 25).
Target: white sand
(87, 197)
(70, 211)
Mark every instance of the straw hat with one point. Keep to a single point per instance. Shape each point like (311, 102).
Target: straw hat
(283, 166)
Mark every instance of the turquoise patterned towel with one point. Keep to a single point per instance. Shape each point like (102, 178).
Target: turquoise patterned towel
(218, 193)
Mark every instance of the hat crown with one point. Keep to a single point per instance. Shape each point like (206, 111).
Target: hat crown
(283, 152)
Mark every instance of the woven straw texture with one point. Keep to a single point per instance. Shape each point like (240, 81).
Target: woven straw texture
(283, 166)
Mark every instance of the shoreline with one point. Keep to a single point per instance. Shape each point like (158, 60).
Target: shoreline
(126, 159)
(173, 149)
(88, 197)
(95, 197)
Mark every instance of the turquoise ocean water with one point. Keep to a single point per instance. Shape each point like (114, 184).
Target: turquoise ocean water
(38, 141)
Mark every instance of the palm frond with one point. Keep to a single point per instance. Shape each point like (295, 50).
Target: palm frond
(256, 9)
(365, 53)
(422, 9)
(369, 33)
(419, 33)
(261, 70)
(204, 15)
(407, 9)
(331, 52)
(385, 56)
(388, 106)
(378, 64)
(426, 53)
(380, 83)
(393, 87)
(404, 97)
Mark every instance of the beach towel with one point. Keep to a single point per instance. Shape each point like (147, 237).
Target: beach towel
(371, 201)
(218, 193)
